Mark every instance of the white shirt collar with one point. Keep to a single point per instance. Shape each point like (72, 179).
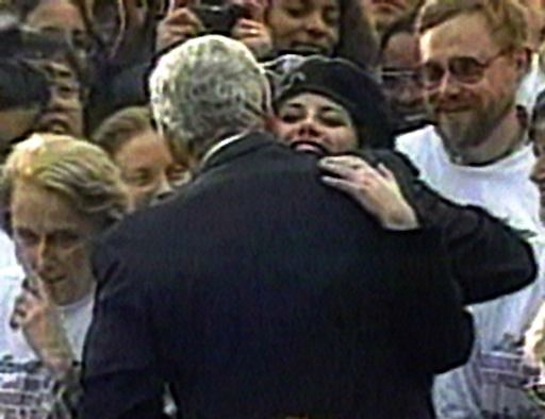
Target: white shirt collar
(220, 145)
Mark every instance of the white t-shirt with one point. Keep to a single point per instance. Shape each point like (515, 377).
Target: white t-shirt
(532, 85)
(491, 383)
(7, 251)
(26, 388)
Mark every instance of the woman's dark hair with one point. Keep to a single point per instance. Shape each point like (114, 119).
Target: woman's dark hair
(358, 41)
(355, 89)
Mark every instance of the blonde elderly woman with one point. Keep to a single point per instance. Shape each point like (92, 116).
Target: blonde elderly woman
(59, 194)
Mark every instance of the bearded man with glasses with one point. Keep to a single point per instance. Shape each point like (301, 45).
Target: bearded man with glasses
(473, 58)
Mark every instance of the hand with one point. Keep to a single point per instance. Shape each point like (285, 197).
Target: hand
(376, 190)
(179, 25)
(534, 339)
(252, 31)
(36, 315)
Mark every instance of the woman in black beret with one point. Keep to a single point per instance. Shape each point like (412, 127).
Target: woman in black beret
(333, 109)
(340, 85)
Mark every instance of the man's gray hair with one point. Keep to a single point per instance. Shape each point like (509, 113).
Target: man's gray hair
(206, 88)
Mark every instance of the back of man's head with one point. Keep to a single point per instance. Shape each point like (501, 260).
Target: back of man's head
(207, 89)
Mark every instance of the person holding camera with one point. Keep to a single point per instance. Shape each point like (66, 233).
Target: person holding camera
(269, 28)
(243, 20)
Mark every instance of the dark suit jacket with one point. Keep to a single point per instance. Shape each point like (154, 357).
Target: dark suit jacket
(261, 293)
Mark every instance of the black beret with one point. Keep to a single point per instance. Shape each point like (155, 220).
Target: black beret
(355, 89)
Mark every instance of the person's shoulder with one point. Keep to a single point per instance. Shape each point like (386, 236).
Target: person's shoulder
(416, 139)
(139, 228)
(423, 147)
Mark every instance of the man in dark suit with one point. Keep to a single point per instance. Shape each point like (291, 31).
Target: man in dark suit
(260, 292)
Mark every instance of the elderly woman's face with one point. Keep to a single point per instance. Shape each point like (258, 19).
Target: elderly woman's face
(316, 124)
(148, 168)
(304, 26)
(52, 238)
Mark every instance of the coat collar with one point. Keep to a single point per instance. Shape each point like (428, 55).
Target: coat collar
(234, 147)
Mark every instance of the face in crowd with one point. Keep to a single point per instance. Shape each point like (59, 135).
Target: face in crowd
(401, 79)
(52, 238)
(61, 19)
(313, 123)
(469, 78)
(384, 12)
(304, 26)
(59, 193)
(64, 114)
(148, 168)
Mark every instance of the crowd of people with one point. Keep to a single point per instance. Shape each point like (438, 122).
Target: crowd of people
(272, 209)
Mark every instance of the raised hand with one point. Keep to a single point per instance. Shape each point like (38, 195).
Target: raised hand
(252, 31)
(179, 25)
(36, 315)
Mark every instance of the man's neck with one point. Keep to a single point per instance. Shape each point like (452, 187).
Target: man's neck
(503, 141)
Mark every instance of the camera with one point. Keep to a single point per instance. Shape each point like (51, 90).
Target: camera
(218, 17)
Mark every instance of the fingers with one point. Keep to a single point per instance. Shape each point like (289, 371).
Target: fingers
(376, 190)
(348, 167)
(178, 26)
(255, 35)
(385, 172)
(23, 307)
(256, 9)
(182, 16)
(19, 312)
(33, 297)
(355, 190)
(176, 4)
(247, 28)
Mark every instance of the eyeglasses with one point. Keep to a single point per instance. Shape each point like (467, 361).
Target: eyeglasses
(395, 79)
(466, 70)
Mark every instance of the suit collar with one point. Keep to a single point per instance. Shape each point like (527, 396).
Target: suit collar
(235, 147)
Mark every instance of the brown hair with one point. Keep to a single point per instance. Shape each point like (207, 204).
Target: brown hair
(121, 127)
(358, 41)
(506, 18)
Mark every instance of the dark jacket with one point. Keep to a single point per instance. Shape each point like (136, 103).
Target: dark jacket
(262, 293)
(488, 258)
